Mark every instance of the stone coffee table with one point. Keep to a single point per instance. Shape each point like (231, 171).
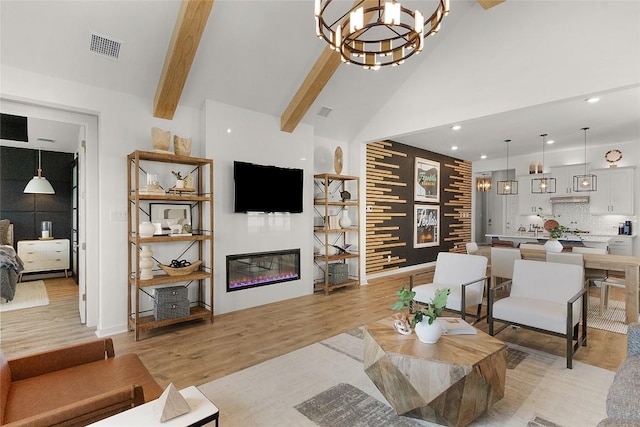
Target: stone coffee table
(451, 382)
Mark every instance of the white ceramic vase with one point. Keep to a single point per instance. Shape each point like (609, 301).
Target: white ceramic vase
(146, 262)
(428, 333)
(345, 221)
(553, 245)
(179, 183)
(146, 229)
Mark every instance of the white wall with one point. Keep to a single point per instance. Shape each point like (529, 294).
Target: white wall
(124, 125)
(237, 134)
(499, 70)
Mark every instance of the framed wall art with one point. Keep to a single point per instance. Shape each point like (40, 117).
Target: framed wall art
(426, 231)
(170, 214)
(427, 181)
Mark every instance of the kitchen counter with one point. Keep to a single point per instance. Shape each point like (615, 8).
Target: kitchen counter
(588, 239)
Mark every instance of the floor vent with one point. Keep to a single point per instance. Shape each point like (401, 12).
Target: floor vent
(104, 46)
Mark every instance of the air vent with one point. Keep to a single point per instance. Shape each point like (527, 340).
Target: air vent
(324, 111)
(104, 46)
(46, 140)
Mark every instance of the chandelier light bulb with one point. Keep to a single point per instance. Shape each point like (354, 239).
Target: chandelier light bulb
(392, 13)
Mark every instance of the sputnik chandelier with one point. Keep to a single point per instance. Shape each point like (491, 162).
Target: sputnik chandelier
(375, 33)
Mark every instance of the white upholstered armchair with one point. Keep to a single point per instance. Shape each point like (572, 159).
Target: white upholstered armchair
(464, 274)
(546, 297)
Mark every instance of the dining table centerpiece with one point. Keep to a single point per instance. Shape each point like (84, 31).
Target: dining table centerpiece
(556, 231)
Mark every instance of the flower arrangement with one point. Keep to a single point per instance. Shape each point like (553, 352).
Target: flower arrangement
(552, 226)
(431, 311)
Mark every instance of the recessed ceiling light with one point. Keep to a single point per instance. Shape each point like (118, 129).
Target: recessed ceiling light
(592, 99)
(484, 156)
(228, 130)
(456, 127)
(454, 147)
(551, 141)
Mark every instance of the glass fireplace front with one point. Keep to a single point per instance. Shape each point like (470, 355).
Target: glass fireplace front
(262, 268)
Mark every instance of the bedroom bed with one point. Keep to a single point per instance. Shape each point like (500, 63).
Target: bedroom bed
(10, 264)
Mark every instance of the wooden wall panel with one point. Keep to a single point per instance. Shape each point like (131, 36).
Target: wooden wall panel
(390, 206)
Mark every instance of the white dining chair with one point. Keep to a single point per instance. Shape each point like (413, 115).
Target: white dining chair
(568, 258)
(606, 280)
(532, 246)
(502, 260)
(472, 248)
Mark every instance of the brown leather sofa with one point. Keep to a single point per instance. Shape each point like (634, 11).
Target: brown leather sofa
(74, 385)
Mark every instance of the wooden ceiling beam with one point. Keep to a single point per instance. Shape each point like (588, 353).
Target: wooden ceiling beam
(488, 4)
(191, 22)
(316, 79)
(318, 76)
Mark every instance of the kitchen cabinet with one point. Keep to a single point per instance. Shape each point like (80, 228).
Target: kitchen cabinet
(615, 192)
(564, 178)
(621, 245)
(530, 203)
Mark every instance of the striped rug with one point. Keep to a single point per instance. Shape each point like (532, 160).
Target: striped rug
(612, 319)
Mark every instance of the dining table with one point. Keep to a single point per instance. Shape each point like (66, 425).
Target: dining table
(627, 266)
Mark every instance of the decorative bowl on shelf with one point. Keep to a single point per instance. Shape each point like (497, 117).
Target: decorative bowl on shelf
(180, 271)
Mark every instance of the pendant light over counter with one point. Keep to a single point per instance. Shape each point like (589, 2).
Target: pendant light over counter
(508, 187)
(543, 185)
(39, 184)
(586, 182)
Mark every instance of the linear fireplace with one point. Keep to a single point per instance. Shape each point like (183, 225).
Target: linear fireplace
(262, 268)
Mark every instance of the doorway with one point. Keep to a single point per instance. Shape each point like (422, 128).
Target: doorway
(84, 212)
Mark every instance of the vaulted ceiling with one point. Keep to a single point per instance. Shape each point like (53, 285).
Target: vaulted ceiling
(263, 55)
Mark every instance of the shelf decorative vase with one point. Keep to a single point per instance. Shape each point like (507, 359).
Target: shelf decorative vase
(146, 229)
(428, 333)
(345, 221)
(146, 262)
(553, 245)
(179, 183)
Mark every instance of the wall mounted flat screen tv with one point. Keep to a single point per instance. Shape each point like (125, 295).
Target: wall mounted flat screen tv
(260, 188)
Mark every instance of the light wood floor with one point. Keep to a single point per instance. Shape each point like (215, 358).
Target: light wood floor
(192, 354)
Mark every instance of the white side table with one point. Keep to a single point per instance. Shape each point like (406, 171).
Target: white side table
(203, 411)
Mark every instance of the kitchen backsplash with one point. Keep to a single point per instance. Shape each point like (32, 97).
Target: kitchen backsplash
(576, 216)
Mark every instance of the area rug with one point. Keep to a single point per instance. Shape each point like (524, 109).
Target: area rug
(28, 294)
(324, 385)
(612, 319)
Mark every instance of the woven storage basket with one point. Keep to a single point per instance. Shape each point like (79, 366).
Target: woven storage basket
(171, 271)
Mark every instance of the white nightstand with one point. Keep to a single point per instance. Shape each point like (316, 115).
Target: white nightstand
(44, 255)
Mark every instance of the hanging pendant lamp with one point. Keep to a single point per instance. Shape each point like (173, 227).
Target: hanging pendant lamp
(586, 182)
(508, 187)
(484, 184)
(39, 184)
(543, 185)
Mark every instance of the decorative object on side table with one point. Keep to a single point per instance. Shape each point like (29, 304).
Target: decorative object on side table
(423, 321)
(170, 404)
(160, 140)
(181, 146)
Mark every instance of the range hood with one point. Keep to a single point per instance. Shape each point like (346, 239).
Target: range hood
(570, 199)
